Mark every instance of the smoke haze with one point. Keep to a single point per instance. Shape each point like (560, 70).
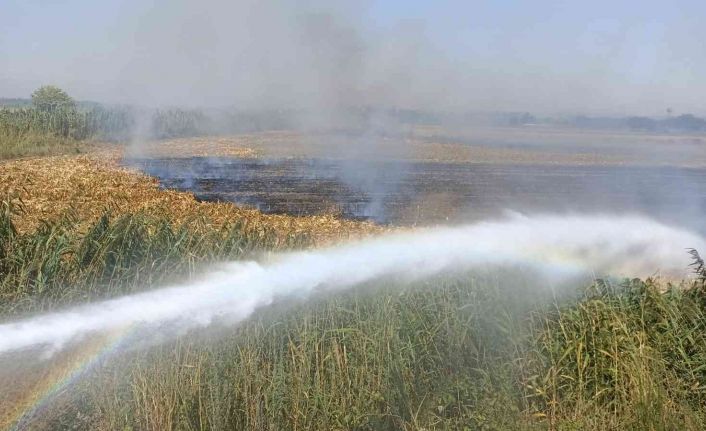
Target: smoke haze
(542, 57)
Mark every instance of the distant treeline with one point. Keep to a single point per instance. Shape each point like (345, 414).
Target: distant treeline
(91, 120)
(121, 123)
(681, 123)
(685, 123)
(65, 122)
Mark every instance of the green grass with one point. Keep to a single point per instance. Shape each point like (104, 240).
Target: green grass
(63, 262)
(29, 132)
(32, 132)
(484, 350)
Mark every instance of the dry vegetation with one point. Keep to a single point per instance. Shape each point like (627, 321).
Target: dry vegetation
(560, 145)
(212, 146)
(460, 153)
(88, 185)
(540, 145)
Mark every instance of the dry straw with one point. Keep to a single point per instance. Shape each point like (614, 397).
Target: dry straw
(88, 185)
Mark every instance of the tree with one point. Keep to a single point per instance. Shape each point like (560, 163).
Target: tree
(49, 98)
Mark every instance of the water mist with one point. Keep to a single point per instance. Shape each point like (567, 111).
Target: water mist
(557, 247)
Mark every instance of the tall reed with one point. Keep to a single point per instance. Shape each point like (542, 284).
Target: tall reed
(483, 350)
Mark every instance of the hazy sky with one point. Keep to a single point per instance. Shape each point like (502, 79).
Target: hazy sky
(541, 56)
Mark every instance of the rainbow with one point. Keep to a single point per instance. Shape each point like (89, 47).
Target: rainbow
(86, 358)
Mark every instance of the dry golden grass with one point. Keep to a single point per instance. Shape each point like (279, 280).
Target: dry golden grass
(90, 184)
(557, 145)
(460, 153)
(195, 147)
(495, 145)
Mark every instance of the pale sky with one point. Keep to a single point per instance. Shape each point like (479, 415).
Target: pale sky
(613, 57)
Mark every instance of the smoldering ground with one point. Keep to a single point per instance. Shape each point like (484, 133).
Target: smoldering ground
(423, 192)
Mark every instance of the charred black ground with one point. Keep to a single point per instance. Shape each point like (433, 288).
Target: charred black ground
(428, 192)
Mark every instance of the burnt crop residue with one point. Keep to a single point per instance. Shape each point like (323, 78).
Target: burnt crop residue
(430, 192)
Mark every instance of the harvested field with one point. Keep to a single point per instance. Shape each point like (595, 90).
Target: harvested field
(195, 147)
(86, 186)
(430, 175)
(431, 192)
(518, 145)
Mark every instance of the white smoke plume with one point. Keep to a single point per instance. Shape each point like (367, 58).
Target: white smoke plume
(557, 247)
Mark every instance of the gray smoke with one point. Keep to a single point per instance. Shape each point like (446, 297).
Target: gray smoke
(539, 57)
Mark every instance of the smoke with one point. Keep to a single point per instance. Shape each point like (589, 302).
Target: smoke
(538, 57)
(559, 248)
(322, 64)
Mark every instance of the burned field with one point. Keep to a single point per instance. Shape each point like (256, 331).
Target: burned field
(84, 232)
(426, 192)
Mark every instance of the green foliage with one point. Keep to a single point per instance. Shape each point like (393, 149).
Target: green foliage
(39, 131)
(62, 263)
(699, 267)
(413, 358)
(626, 357)
(32, 132)
(481, 351)
(49, 98)
(174, 123)
(55, 124)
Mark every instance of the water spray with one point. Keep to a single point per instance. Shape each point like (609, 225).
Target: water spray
(558, 247)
